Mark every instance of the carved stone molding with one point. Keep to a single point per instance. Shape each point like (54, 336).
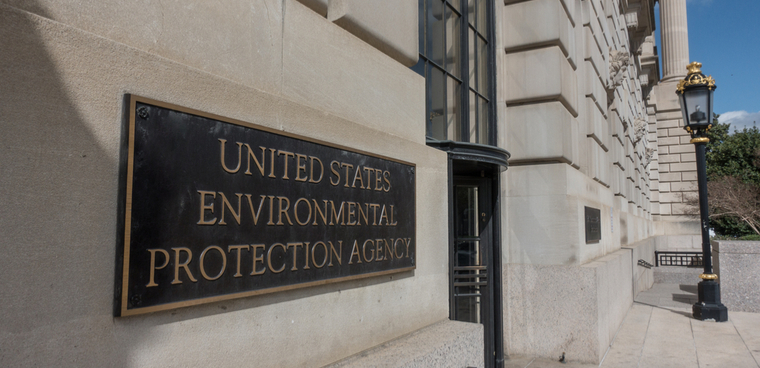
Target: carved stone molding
(644, 79)
(619, 62)
(648, 156)
(632, 19)
(640, 129)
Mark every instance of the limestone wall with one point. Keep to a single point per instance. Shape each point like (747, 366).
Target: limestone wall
(675, 160)
(447, 344)
(576, 113)
(737, 264)
(65, 67)
(643, 277)
(551, 309)
(579, 74)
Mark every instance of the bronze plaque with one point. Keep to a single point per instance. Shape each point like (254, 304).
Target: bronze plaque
(593, 225)
(213, 208)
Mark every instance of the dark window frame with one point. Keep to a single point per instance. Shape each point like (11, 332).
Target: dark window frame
(426, 64)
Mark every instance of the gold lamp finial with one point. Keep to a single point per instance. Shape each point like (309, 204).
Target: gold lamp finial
(694, 67)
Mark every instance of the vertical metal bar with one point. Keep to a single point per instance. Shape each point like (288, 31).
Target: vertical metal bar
(491, 34)
(444, 65)
(498, 318)
(452, 253)
(708, 306)
(488, 302)
(464, 63)
(426, 69)
(703, 209)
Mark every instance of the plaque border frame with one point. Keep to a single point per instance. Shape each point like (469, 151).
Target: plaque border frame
(124, 210)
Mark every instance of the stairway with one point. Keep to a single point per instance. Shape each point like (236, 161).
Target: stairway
(676, 275)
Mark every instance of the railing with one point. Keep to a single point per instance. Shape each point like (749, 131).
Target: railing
(470, 276)
(683, 259)
(644, 263)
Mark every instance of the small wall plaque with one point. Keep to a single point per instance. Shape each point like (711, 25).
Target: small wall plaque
(593, 225)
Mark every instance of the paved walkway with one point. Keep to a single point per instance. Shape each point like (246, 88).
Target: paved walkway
(659, 331)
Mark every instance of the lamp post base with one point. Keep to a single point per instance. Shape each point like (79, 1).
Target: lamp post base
(709, 306)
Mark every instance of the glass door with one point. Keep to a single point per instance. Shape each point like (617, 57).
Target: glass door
(471, 261)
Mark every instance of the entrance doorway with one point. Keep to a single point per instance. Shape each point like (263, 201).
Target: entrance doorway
(475, 266)
(475, 286)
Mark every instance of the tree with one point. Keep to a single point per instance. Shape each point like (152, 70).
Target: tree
(733, 174)
(733, 199)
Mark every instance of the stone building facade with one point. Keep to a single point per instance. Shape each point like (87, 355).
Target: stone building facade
(549, 159)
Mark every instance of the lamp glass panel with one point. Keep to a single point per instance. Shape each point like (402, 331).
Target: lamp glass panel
(682, 102)
(697, 106)
(710, 107)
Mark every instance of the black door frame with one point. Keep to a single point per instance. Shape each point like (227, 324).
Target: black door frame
(489, 174)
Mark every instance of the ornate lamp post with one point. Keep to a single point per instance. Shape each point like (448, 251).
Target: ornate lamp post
(695, 94)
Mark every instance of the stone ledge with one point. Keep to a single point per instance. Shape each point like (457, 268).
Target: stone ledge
(546, 315)
(389, 26)
(737, 264)
(676, 275)
(743, 247)
(542, 131)
(549, 65)
(443, 344)
(319, 6)
(539, 23)
(643, 277)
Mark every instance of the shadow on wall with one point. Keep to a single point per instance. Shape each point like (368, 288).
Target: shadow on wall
(61, 91)
(58, 207)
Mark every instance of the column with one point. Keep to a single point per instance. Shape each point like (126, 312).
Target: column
(675, 38)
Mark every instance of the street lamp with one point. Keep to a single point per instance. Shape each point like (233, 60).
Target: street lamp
(695, 94)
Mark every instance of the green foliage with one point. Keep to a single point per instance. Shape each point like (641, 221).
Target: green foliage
(736, 155)
(730, 226)
(733, 154)
(752, 237)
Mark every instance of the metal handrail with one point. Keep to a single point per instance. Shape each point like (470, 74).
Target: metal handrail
(683, 259)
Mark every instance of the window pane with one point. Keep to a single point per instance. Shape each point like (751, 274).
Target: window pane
(482, 67)
(468, 254)
(467, 215)
(473, 127)
(472, 8)
(481, 23)
(468, 305)
(471, 57)
(453, 48)
(483, 132)
(436, 115)
(435, 31)
(452, 109)
(421, 26)
(454, 3)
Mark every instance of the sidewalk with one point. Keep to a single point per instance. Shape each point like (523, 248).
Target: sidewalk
(659, 331)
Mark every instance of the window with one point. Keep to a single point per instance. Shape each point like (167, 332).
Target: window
(456, 59)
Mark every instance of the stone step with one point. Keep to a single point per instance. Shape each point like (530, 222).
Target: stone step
(676, 275)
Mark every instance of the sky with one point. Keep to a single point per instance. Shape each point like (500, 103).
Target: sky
(724, 35)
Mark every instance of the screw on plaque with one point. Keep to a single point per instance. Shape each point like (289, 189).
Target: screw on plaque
(135, 300)
(142, 112)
